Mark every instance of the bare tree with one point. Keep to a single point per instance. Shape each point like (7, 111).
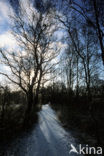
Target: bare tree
(35, 58)
(93, 13)
(84, 49)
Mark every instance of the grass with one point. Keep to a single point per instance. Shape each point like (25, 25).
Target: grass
(12, 125)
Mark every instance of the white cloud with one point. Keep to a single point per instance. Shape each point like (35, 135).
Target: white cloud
(7, 40)
(5, 9)
(6, 69)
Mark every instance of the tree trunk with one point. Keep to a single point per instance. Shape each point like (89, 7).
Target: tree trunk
(29, 107)
(77, 86)
(37, 91)
(29, 102)
(99, 30)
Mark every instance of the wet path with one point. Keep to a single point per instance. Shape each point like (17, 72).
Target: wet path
(47, 139)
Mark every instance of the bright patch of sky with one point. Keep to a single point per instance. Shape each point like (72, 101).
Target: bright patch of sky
(4, 19)
(6, 39)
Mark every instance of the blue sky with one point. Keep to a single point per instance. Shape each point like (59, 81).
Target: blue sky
(4, 25)
(8, 7)
(6, 39)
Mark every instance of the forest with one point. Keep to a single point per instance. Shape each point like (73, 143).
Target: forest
(57, 58)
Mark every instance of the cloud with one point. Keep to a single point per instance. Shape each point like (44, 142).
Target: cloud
(7, 40)
(5, 11)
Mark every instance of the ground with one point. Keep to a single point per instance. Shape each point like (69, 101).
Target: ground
(48, 138)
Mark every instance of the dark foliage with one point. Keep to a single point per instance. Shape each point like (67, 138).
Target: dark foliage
(12, 113)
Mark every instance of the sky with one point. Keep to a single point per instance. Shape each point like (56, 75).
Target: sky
(4, 10)
(6, 38)
(9, 7)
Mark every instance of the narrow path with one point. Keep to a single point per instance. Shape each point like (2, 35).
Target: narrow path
(47, 139)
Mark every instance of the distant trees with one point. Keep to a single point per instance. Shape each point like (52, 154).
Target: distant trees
(4, 101)
(81, 60)
(32, 63)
